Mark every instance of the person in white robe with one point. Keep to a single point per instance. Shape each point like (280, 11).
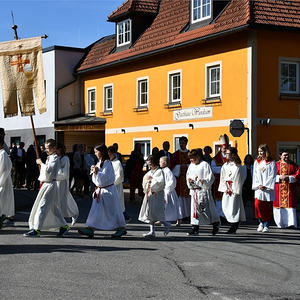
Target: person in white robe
(199, 178)
(119, 174)
(172, 202)
(45, 213)
(66, 202)
(119, 178)
(7, 202)
(106, 211)
(264, 177)
(231, 185)
(153, 206)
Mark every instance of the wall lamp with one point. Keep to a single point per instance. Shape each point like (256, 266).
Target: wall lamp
(123, 130)
(265, 121)
(191, 125)
(156, 128)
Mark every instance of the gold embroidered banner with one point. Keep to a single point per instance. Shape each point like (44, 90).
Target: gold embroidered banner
(22, 76)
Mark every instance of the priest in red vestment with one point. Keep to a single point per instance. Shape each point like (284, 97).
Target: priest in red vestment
(285, 204)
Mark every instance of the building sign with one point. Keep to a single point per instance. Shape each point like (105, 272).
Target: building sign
(201, 112)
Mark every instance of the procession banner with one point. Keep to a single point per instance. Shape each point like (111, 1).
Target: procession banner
(22, 76)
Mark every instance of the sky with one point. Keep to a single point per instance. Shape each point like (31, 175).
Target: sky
(73, 23)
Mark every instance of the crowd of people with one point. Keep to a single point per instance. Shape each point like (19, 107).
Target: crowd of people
(184, 186)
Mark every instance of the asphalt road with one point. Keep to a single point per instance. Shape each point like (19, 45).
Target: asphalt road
(248, 265)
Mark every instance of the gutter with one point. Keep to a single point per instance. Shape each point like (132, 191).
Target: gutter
(166, 49)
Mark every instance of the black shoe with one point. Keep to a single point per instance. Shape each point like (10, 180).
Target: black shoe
(194, 231)
(119, 233)
(215, 230)
(63, 231)
(231, 231)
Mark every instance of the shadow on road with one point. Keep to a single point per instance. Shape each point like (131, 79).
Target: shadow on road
(21, 249)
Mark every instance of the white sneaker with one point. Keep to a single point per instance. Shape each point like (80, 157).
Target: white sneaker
(260, 227)
(266, 229)
(149, 235)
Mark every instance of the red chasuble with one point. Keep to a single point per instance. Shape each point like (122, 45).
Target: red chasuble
(181, 158)
(285, 192)
(220, 161)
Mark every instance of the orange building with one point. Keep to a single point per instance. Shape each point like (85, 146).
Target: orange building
(189, 68)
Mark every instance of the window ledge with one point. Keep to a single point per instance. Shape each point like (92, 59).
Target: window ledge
(173, 105)
(289, 97)
(211, 100)
(140, 109)
(106, 113)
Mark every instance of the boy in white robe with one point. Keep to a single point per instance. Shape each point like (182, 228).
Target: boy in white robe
(231, 185)
(199, 179)
(7, 202)
(153, 206)
(172, 202)
(45, 213)
(66, 202)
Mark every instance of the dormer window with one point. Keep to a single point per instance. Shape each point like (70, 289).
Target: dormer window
(124, 33)
(201, 10)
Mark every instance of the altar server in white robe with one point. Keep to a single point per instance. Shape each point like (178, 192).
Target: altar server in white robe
(153, 206)
(106, 211)
(46, 213)
(231, 185)
(199, 179)
(119, 174)
(68, 205)
(7, 202)
(172, 202)
(264, 177)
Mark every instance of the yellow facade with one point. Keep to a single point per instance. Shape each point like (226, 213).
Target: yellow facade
(283, 111)
(230, 52)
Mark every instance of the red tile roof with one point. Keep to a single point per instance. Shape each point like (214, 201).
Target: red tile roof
(277, 12)
(142, 6)
(167, 29)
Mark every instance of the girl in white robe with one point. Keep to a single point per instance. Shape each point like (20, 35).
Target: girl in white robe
(7, 202)
(264, 177)
(66, 202)
(172, 202)
(231, 184)
(153, 206)
(199, 179)
(45, 213)
(106, 211)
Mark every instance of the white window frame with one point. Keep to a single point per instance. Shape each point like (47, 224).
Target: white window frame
(123, 33)
(90, 111)
(170, 87)
(105, 107)
(294, 61)
(138, 92)
(143, 139)
(201, 18)
(175, 136)
(208, 67)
